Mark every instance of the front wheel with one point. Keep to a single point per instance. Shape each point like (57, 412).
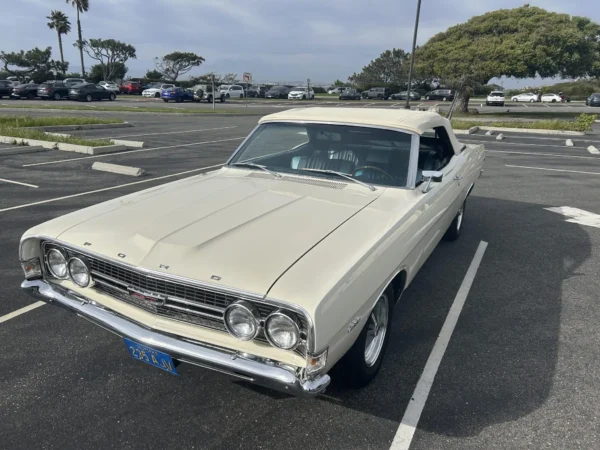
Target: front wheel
(112, 97)
(56, 96)
(532, 101)
(444, 99)
(165, 100)
(453, 232)
(427, 97)
(157, 95)
(89, 98)
(360, 365)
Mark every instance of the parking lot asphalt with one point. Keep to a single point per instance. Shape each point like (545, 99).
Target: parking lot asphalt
(522, 369)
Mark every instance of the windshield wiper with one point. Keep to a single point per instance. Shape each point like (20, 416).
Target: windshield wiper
(257, 166)
(343, 175)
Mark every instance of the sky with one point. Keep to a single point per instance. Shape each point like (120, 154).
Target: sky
(275, 40)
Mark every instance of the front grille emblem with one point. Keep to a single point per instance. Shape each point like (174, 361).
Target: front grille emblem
(152, 298)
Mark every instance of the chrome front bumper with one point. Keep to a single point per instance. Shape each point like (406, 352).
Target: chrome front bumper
(260, 372)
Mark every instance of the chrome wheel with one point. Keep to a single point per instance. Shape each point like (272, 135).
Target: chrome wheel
(376, 330)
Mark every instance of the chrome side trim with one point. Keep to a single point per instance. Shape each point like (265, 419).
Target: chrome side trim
(267, 373)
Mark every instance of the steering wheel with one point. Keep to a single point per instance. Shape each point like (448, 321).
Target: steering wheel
(373, 168)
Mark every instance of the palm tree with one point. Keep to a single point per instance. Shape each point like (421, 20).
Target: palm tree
(81, 6)
(59, 22)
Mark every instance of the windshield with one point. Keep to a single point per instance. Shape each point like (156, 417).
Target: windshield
(370, 155)
(276, 88)
(497, 94)
(299, 89)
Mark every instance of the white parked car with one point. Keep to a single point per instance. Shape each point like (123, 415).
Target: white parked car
(528, 97)
(233, 91)
(109, 86)
(496, 98)
(551, 98)
(300, 93)
(286, 261)
(156, 90)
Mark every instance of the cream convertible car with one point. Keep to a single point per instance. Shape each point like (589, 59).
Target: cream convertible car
(283, 263)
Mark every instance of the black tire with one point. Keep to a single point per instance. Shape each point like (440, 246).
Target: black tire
(487, 104)
(380, 97)
(30, 96)
(56, 96)
(89, 98)
(427, 97)
(112, 97)
(222, 99)
(444, 99)
(553, 100)
(179, 100)
(226, 95)
(241, 96)
(532, 101)
(209, 99)
(157, 95)
(304, 97)
(165, 100)
(353, 367)
(453, 231)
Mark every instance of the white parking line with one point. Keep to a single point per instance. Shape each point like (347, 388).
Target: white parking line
(109, 188)
(132, 151)
(554, 170)
(173, 132)
(406, 430)
(18, 312)
(542, 154)
(19, 183)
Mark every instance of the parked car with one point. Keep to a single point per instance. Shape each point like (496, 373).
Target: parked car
(177, 94)
(156, 90)
(110, 86)
(364, 94)
(261, 91)
(337, 90)
(496, 98)
(551, 98)
(5, 88)
(204, 92)
(53, 89)
(28, 91)
(131, 87)
(414, 95)
(445, 95)
(350, 94)
(227, 274)
(73, 81)
(301, 93)
(379, 93)
(89, 92)
(527, 97)
(232, 91)
(593, 100)
(278, 92)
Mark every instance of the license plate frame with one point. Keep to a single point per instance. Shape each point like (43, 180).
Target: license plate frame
(150, 356)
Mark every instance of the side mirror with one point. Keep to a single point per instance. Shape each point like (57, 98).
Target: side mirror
(431, 175)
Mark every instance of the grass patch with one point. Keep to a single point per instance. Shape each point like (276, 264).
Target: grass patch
(25, 133)
(124, 109)
(562, 125)
(27, 121)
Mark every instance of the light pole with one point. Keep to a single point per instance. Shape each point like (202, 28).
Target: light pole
(412, 56)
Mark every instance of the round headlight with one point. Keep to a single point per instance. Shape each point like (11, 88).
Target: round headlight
(241, 320)
(79, 272)
(57, 263)
(282, 330)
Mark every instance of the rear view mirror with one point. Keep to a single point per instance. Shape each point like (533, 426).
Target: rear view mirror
(431, 175)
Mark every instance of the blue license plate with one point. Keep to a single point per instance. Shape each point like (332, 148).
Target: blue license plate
(150, 356)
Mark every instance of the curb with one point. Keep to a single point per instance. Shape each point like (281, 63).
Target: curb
(99, 111)
(116, 168)
(593, 150)
(134, 144)
(534, 131)
(473, 130)
(66, 147)
(92, 126)
(19, 150)
(569, 143)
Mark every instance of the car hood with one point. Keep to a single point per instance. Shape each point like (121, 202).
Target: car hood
(231, 228)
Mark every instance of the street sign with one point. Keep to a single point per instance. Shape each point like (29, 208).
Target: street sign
(247, 77)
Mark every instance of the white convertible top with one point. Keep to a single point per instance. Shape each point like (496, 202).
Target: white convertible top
(413, 121)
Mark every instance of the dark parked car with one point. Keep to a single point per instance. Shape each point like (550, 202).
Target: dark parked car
(414, 95)
(130, 87)
(5, 88)
(593, 100)
(177, 94)
(25, 91)
(89, 92)
(445, 95)
(379, 93)
(261, 91)
(278, 92)
(53, 89)
(350, 94)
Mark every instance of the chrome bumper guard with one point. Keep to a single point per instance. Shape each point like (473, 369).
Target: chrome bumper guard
(253, 370)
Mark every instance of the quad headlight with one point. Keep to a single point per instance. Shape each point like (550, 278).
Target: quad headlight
(57, 263)
(242, 320)
(79, 272)
(282, 330)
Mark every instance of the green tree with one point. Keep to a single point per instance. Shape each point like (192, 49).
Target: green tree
(110, 54)
(59, 22)
(80, 6)
(206, 78)
(229, 78)
(35, 63)
(389, 69)
(522, 43)
(174, 64)
(96, 73)
(153, 75)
